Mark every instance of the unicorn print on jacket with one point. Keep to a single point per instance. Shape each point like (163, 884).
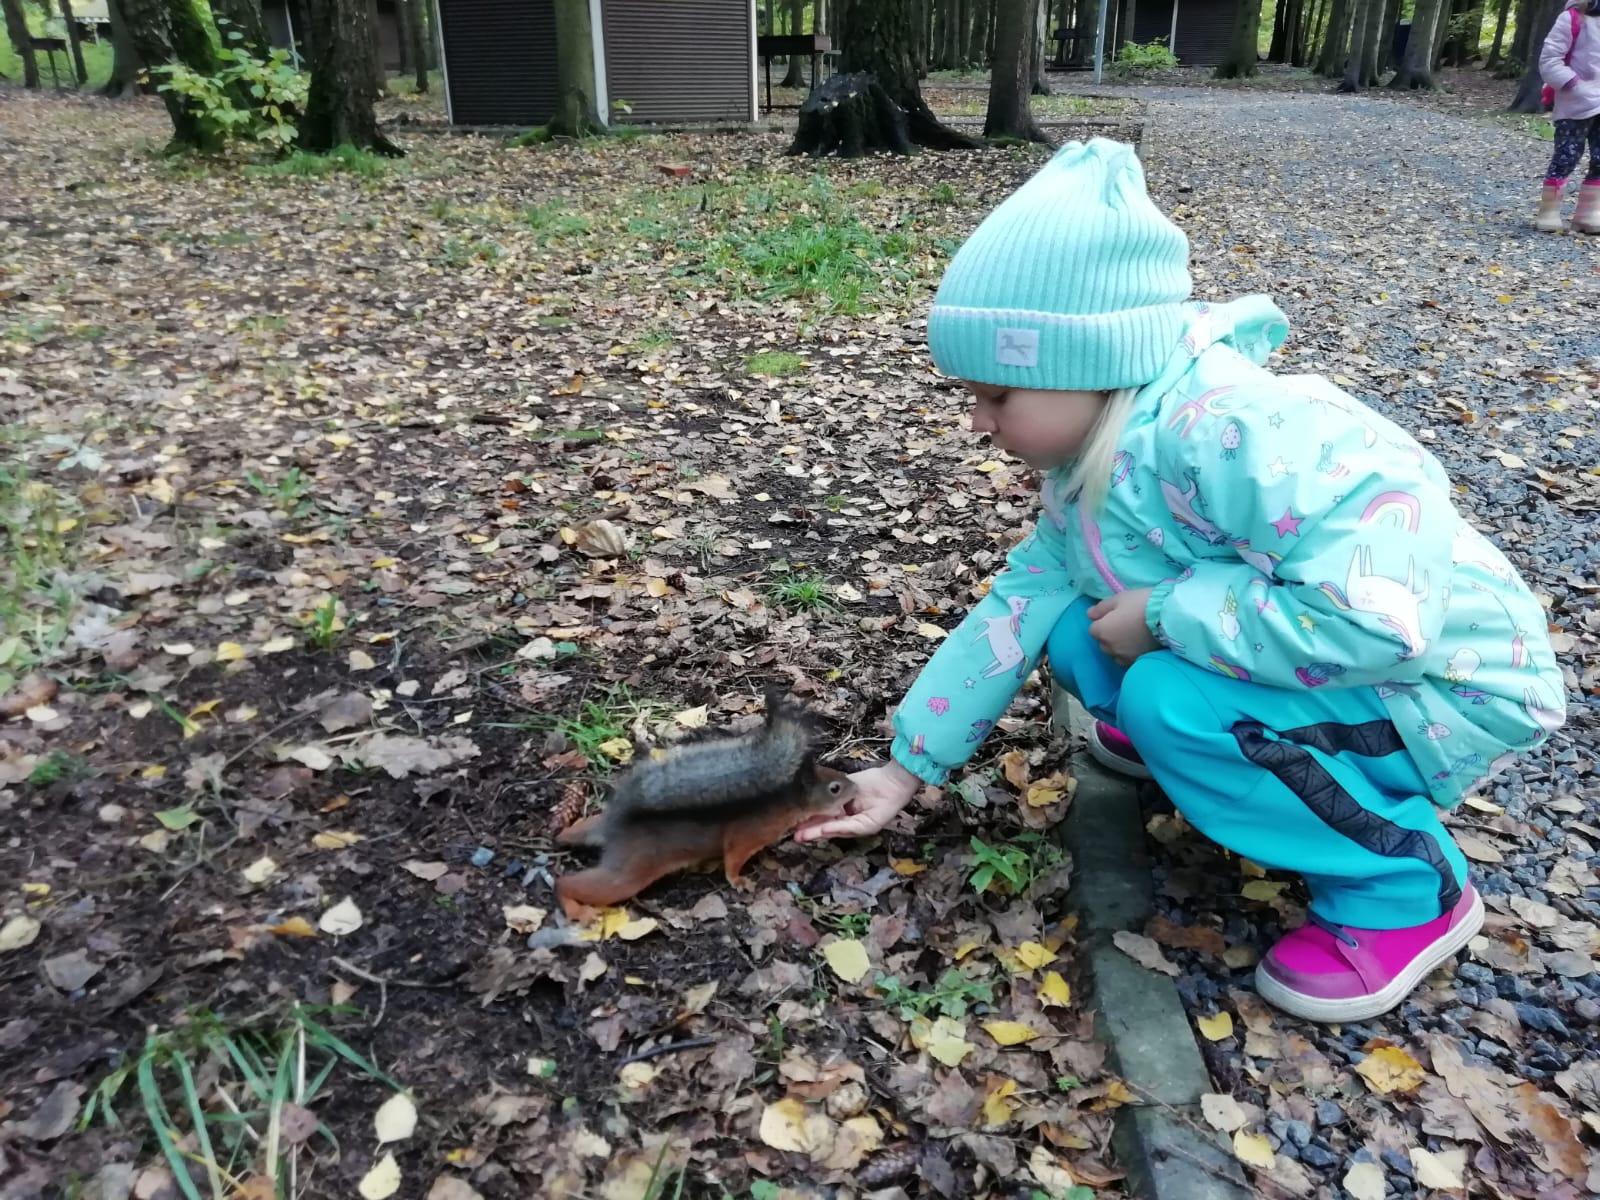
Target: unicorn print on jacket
(1183, 505)
(1003, 635)
(1397, 605)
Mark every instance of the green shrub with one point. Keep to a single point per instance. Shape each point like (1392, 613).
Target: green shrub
(249, 99)
(1148, 57)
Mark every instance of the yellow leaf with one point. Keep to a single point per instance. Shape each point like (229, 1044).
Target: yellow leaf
(382, 1181)
(18, 932)
(260, 871)
(617, 749)
(335, 839)
(1441, 1169)
(605, 925)
(205, 708)
(338, 441)
(344, 917)
(1009, 1033)
(788, 1125)
(1031, 956)
(657, 587)
(632, 931)
(1390, 1069)
(1364, 1181)
(1216, 1027)
(293, 927)
(1041, 796)
(998, 1104)
(37, 890)
(277, 645)
(636, 1075)
(1051, 1172)
(848, 958)
(965, 949)
(360, 660)
(930, 631)
(1221, 1111)
(396, 1119)
(907, 866)
(230, 652)
(383, 564)
(523, 918)
(154, 771)
(692, 718)
(1254, 1149)
(947, 1041)
(1262, 889)
(1054, 990)
(989, 466)
(1502, 299)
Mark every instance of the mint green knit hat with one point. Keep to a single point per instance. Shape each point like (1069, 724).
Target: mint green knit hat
(1075, 282)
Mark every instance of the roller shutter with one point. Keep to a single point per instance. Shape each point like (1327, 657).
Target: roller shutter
(679, 60)
(500, 60)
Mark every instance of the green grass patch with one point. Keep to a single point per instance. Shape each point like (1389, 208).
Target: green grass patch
(38, 527)
(554, 219)
(537, 136)
(799, 592)
(345, 160)
(229, 1095)
(57, 767)
(777, 363)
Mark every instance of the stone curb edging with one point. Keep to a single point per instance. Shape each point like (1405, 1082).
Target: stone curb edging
(1160, 1140)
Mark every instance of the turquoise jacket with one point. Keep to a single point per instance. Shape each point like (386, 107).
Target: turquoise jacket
(1294, 538)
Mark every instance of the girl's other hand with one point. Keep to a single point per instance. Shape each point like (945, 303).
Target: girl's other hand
(1118, 625)
(880, 792)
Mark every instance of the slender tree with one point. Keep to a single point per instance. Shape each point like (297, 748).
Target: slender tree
(797, 19)
(1306, 39)
(577, 114)
(17, 31)
(1527, 13)
(1336, 39)
(169, 31)
(339, 104)
(1526, 99)
(416, 20)
(1415, 69)
(1502, 11)
(1278, 51)
(1384, 35)
(74, 42)
(1354, 76)
(1243, 51)
(125, 65)
(1011, 74)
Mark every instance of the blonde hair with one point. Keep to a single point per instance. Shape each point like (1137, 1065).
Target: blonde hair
(1091, 470)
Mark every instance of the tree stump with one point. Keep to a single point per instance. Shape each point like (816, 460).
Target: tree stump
(851, 115)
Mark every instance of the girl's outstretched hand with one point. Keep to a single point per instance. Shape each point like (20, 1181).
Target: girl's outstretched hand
(1118, 625)
(880, 792)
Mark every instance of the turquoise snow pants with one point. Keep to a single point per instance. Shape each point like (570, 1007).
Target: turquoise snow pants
(1315, 782)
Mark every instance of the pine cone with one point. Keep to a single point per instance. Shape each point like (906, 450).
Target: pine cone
(890, 1166)
(574, 799)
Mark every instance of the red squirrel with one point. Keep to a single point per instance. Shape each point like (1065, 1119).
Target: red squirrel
(726, 798)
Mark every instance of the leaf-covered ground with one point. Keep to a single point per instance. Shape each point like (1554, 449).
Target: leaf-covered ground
(359, 524)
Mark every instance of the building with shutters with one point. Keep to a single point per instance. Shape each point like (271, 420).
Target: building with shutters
(656, 61)
(1199, 32)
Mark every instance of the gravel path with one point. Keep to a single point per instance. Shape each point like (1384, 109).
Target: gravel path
(1398, 240)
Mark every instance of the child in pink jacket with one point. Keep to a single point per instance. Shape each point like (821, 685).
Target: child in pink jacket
(1570, 64)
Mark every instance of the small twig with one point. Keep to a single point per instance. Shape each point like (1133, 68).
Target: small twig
(345, 964)
(668, 1048)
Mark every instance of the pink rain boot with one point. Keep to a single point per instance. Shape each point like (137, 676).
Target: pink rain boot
(1328, 972)
(1587, 218)
(1110, 747)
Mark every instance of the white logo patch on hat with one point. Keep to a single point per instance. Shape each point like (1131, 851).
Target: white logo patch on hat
(1016, 347)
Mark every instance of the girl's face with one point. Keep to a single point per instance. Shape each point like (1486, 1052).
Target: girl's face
(1043, 429)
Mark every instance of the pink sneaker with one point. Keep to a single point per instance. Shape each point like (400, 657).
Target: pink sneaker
(1328, 972)
(1110, 747)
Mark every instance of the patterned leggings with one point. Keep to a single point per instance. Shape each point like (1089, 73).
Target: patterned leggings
(1570, 136)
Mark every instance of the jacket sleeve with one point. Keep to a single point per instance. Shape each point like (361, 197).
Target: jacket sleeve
(1553, 66)
(1341, 537)
(978, 669)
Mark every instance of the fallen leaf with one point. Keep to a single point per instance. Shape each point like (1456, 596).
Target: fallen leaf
(396, 1119)
(314, 757)
(692, 718)
(260, 871)
(452, 1187)
(1390, 1069)
(54, 1116)
(788, 1124)
(1221, 1111)
(230, 652)
(947, 1041)
(522, 918)
(293, 927)
(425, 870)
(848, 958)
(335, 839)
(636, 1075)
(1050, 1172)
(177, 819)
(1032, 955)
(382, 1181)
(999, 1104)
(1439, 1170)
(1144, 951)
(360, 660)
(69, 972)
(1262, 889)
(344, 917)
(1009, 1033)
(346, 711)
(1364, 1181)
(18, 932)
(1054, 990)
(1254, 1150)
(1217, 1026)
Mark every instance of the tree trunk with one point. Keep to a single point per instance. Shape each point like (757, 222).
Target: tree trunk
(1385, 41)
(339, 104)
(168, 31)
(577, 113)
(379, 73)
(244, 18)
(977, 10)
(418, 12)
(125, 65)
(1011, 73)
(1501, 13)
(1527, 13)
(1374, 43)
(17, 31)
(1282, 18)
(950, 46)
(874, 103)
(1336, 38)
(1354, 68)
(797, 19)
(1416, 68)
(1040, 43)
(402, 29)
(1526, 99)
(990, 20)
(1440, 32)
(1241, 60)
(73, 41)
(1313, 12)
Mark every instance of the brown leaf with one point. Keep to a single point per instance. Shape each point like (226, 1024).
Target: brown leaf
(29, 692)
(1186, 937)
(346, 711)
(1144, 952)
(1556, 1144)
(55, 1114)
